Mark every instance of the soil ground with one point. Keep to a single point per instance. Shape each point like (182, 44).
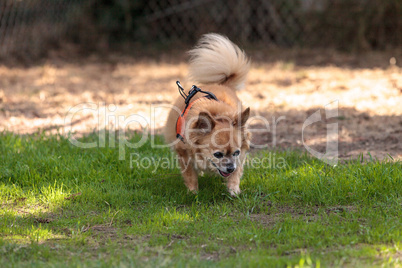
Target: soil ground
(284, 88)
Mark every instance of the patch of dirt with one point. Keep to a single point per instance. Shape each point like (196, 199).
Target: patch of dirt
(214, 256)
(104, 229)
(87, 95)
(43, 220)
(13, 203)
(309, 214)
(72, 196)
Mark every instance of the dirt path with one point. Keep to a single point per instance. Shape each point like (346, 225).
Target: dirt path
(369, 98)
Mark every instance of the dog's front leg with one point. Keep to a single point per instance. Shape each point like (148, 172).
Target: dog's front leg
(188, 171)
(233, 182)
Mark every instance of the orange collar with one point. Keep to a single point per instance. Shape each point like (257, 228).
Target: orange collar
(181, 121)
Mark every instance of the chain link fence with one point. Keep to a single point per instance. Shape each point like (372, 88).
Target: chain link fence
(30, 27)
(248, 21)
(345, 24)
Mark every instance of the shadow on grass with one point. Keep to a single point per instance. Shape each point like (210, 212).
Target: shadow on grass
(63, 202)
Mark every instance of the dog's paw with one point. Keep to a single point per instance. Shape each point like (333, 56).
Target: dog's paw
(194, 192)
(192, 189)
(234, 191)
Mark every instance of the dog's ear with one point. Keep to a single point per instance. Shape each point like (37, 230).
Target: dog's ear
(243, 117)
(205, 122)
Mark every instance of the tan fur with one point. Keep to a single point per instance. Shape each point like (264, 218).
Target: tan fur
(216, 60)
(213, 126)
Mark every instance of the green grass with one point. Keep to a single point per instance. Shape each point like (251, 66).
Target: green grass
(66, 206)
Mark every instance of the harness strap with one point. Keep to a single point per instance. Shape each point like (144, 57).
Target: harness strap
(181, 120)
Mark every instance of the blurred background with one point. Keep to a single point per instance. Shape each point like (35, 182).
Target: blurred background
(125, 56)
(29, 28)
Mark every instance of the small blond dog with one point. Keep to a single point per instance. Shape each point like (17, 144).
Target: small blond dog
(207, 129)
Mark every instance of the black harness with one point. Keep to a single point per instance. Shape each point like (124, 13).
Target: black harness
(180, 123)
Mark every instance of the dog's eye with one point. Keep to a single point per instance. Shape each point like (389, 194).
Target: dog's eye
(236, 153)
(218, 155)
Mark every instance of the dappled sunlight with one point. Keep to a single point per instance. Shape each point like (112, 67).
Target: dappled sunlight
(36, 234)
(40, 207)
(375, 91)
(14, 227)
(169, 218)
(100, 206)
(53, 196)
(19, 203)
(91, 95)
(106, 162)
(40, 96)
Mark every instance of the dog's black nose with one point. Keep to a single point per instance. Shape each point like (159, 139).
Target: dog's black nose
(230, 168)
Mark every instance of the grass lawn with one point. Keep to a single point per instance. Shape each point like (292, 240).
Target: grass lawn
(66, 206)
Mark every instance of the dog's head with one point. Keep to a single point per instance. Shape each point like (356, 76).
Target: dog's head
(220, 141)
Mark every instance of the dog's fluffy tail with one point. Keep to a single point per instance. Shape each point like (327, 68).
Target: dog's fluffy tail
(216, 60)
